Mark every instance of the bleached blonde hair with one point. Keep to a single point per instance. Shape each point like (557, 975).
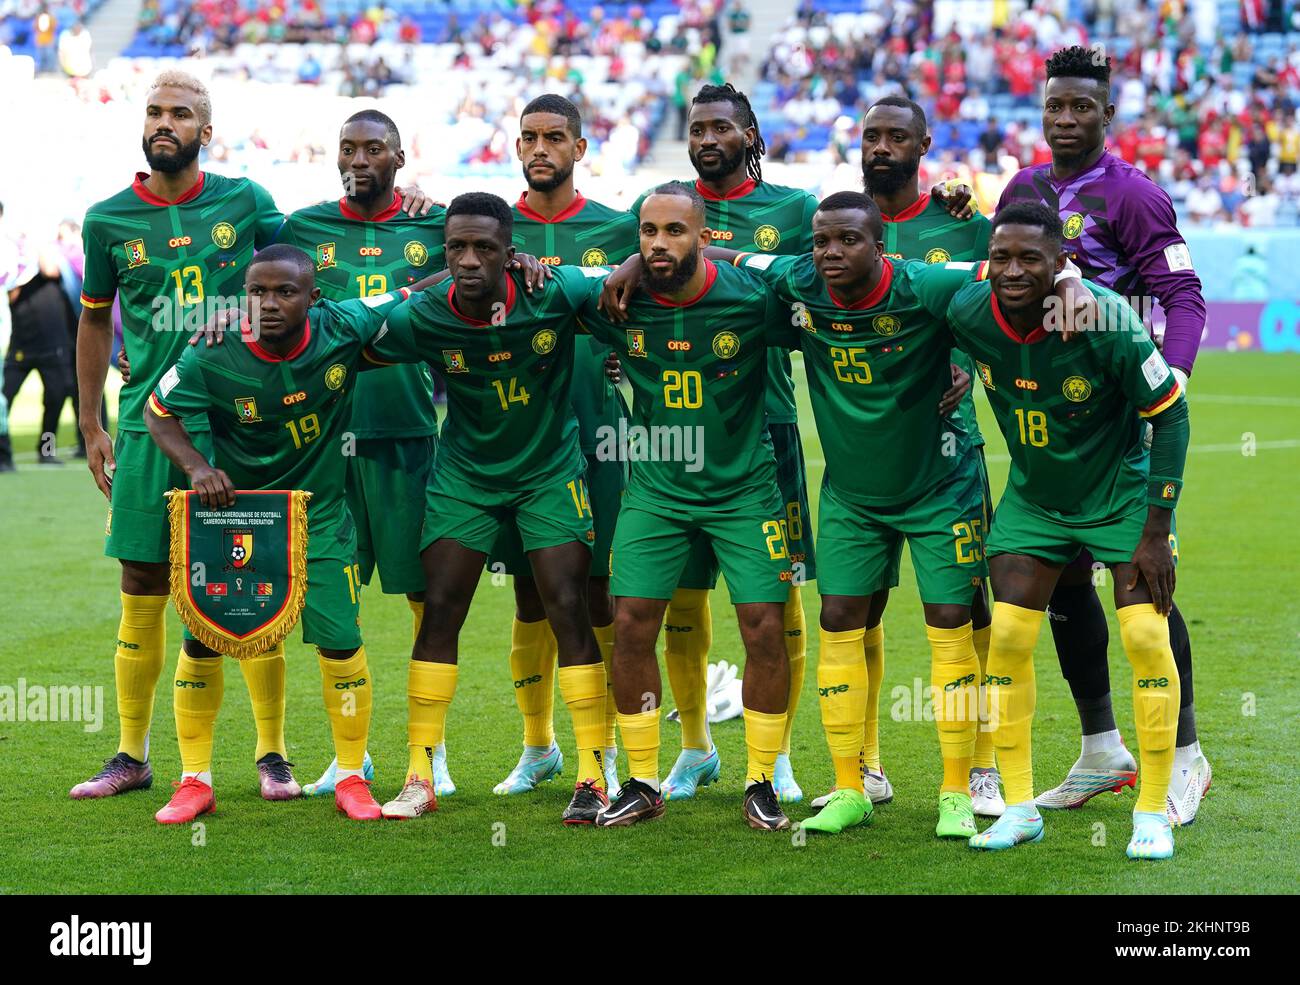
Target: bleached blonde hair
(176, 79)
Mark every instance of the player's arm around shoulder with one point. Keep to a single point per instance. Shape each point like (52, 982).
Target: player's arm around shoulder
(268, 219)
(935, 285)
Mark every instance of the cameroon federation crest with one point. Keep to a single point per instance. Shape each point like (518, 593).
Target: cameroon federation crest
(136, 256)
(767, 237)
(335, 375)
(246, 408)
(1072, 226)
(325, 253)
(805, 319)
(885, 325)
(1076, 389)
(985, 374)
(239, 550)
(223, 234)
(416, 253)
(455, 360)
(544, 341)
(594, 258)
(938, 255)
(635, 342)
(726, 345)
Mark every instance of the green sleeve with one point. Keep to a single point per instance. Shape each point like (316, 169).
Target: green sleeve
(783, 323)
(936, 284)
(768, 267)
(364, 318)
(1171, 432)
(581, 285)
(635, 210)
(182, 391)
(810, 206)
(395, 338)
(99, 283)
(269, 218)
(980, 247)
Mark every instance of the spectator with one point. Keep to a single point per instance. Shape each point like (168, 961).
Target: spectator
(990, 144)
(46, 30)
(74, 51)
(1260, 210)
(1204, 204)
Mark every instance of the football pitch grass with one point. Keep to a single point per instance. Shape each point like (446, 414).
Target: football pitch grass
(1238, 587)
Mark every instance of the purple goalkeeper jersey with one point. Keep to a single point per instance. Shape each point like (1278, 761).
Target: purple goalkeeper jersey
(1120, 230)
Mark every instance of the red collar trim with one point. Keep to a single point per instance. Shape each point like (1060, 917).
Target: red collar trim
(568, 212)
(256, 349)
(911, 212)
(392, 210)
(710, 275)
(451, 303)
(740, 191)
(1037, 335)
(138, 186)
(877, 293)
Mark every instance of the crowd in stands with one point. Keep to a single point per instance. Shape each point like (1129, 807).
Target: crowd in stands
(1205, 90)
(53, 34)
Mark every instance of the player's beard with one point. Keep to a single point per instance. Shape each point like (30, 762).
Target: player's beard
(889, 182)
(726, 166)
(377, 189)
(548, 184)
(172, 163)
(672, 282)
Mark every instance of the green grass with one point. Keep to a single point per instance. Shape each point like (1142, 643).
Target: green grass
(1238, 586)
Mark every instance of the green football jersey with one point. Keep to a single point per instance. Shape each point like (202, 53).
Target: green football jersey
(167, 262)
(876, 371)
(360, 258)
(698, 373)
(510, 421)
(1071, 412)
(925, 231)
(770, 219)
(591, 235)
(280, 422)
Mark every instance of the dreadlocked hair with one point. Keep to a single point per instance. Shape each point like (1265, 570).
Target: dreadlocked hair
(727, 93)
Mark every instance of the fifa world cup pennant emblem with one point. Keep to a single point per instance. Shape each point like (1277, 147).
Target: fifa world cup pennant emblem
(237, 598)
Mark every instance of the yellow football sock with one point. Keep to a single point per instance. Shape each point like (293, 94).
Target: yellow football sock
(345, 685)
(873, 647)
(417, 617)
(532, 664)
(688, 634)
(796, 648)
(429, 690)
(1013, 695)
(1156, 695)
(983, 758)
(264, 675)
(200, 683)
(842, 684)
(763, 731)
(583, 689)
(137, 665)
(954, 696)
(605, 640)
(641, 740)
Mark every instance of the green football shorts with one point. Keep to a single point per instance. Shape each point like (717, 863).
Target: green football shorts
(1020, 527)
(137, 527)
(386, 482)
(701, 571)
(862, 545)
(475, 516)
(605, 483)
(654, 540)
(331, 613)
